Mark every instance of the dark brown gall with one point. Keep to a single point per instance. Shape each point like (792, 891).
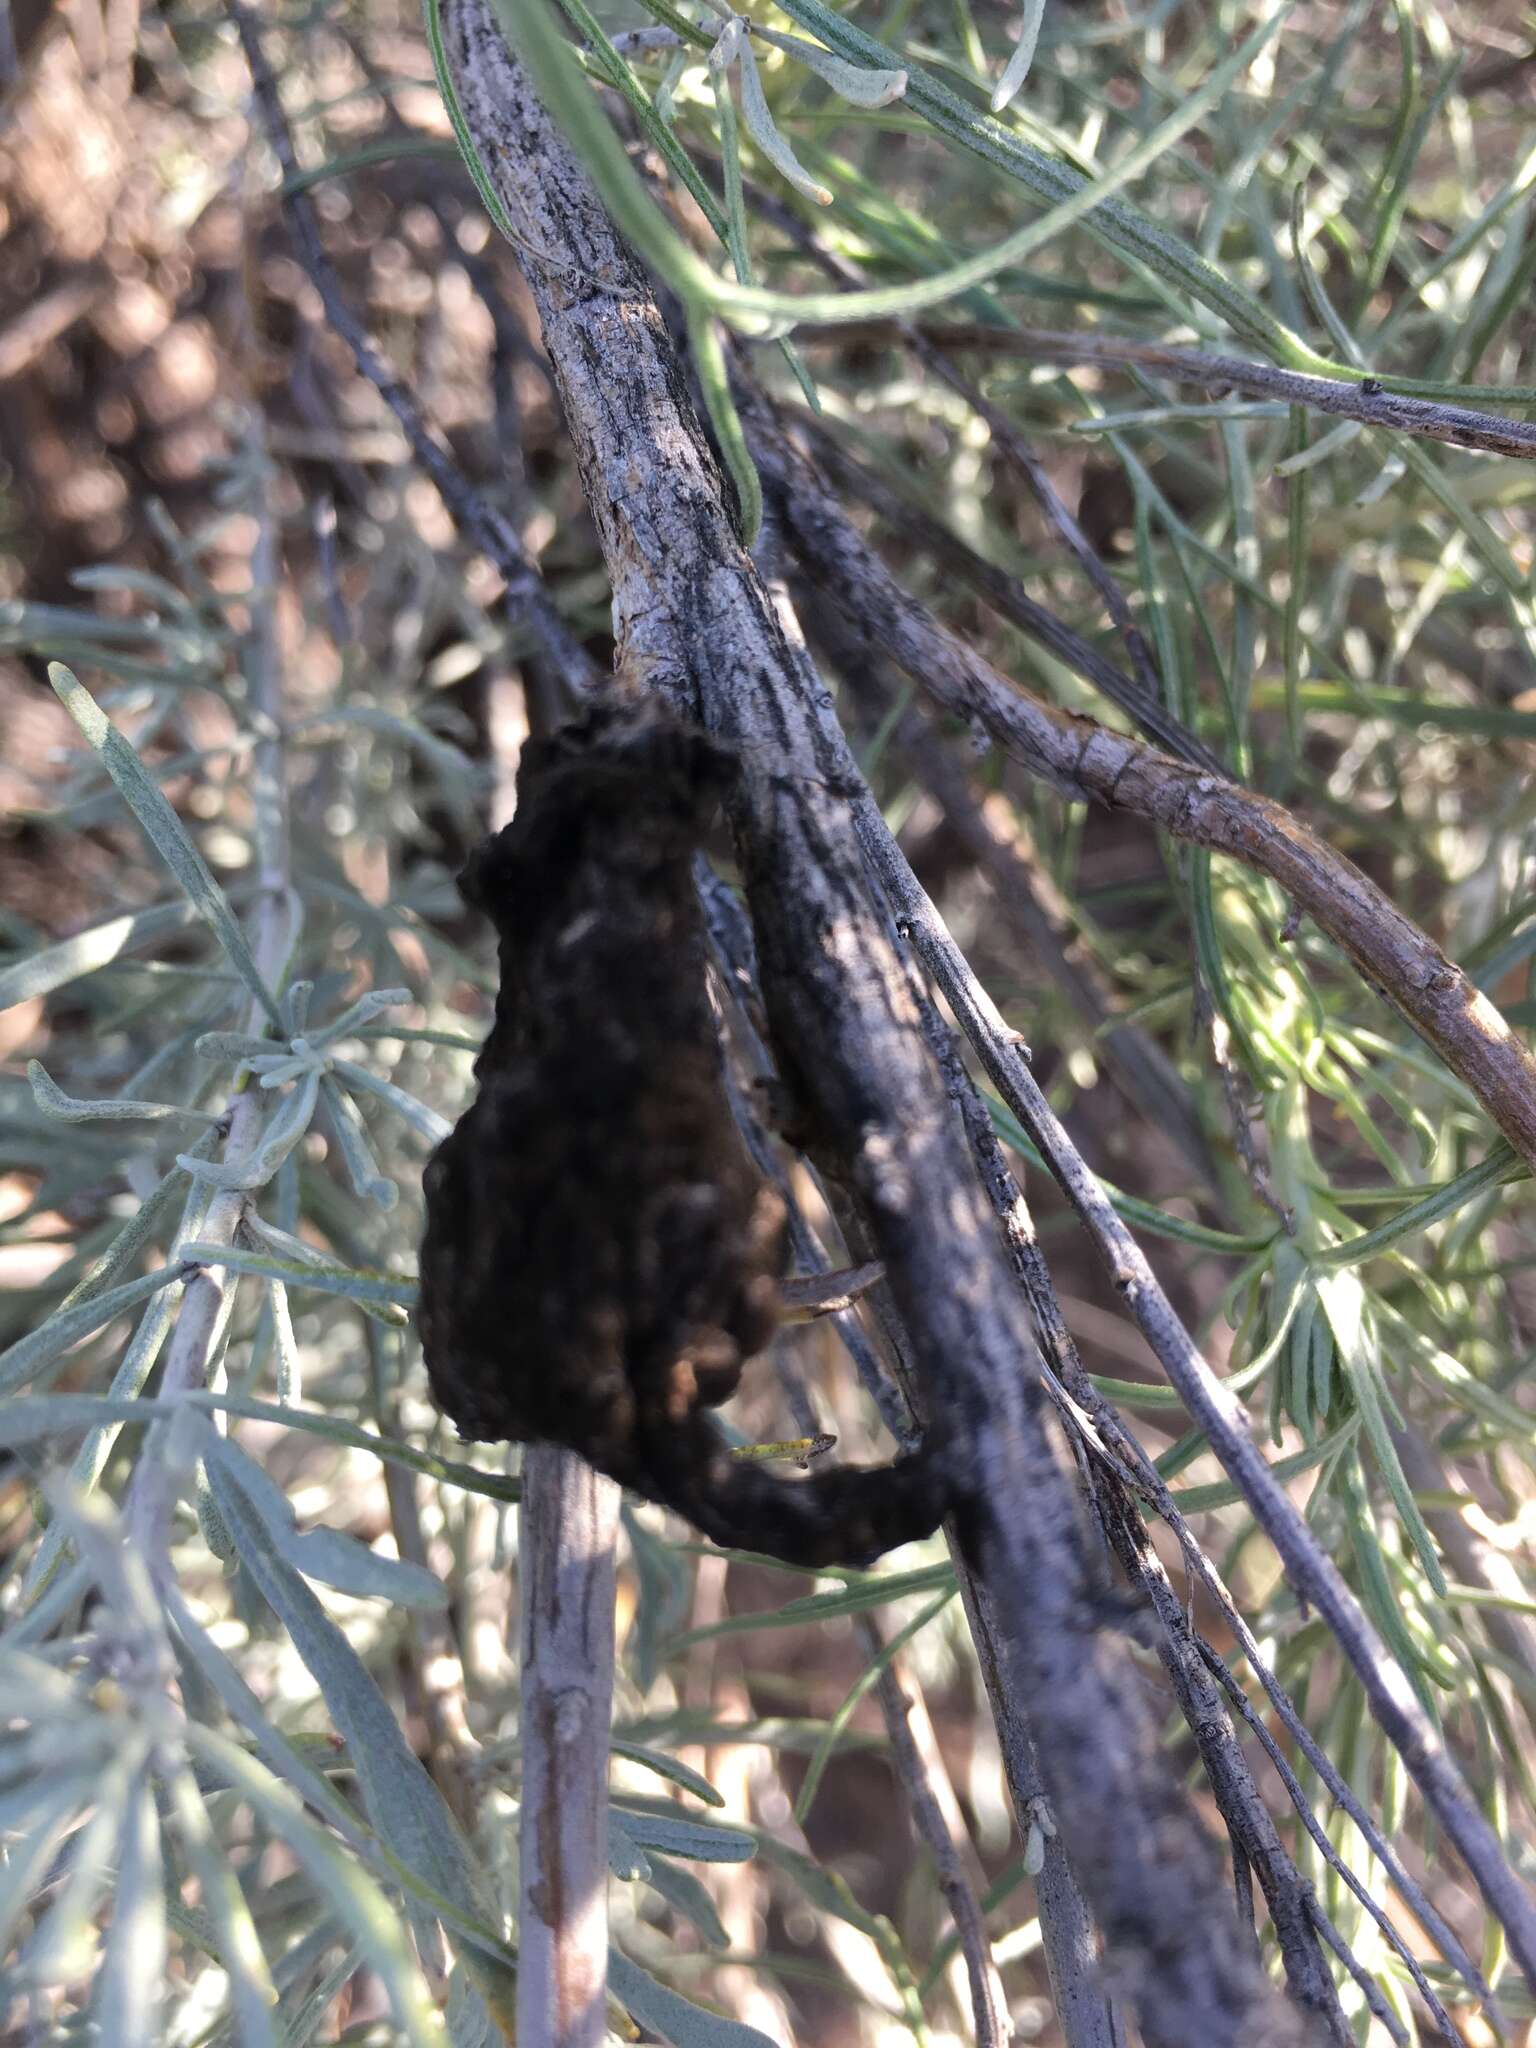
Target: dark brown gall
(601, 1257)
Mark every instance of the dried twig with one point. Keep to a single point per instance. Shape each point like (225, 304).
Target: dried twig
(1211, 1406)
(930, 1799)
(1029, 910)
(1092, 764)
(1370, 401)
(568, 1525)
(1130, 1473)
(526, 601)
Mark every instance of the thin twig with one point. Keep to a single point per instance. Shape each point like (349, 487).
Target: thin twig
(1008, 437)
(933, 541)
(525, 600)
(205, 1307)
(1087, 761)
(920, 1774)
(1124, 1458)
(1370, 401)
(1212, 1408)
(1140, 697)
(1131, 1473)
(568, 1526)
(1028, 906)
(1114, 1444)
(1127, 1472)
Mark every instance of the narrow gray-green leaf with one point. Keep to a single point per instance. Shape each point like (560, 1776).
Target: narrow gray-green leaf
(386, 1293)
(40, 973)
(73, 1109)
(49, 1809)
(329, 1555)
(363, 1011)
(433, 1127)
(760, 125)
(289, 1377)
(703, 1844)
(685, 1894)
(164, 830)
(356, 1152)
(238, 1047)
(284, 1129)
(127, 1992)
(63, 1944)
(32, 1418)
(1016, 71)
(340, 1881)
(1351, 1320)
(666, 1766)
(136, 1232)
(626, 1859)
(90, 1461)
(855, 83)
(672, 2017)
(863, 1593)
(253, 1996)
(66, 1326)
(403, 1804)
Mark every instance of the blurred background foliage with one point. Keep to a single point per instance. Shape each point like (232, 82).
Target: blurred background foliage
(259, 1770)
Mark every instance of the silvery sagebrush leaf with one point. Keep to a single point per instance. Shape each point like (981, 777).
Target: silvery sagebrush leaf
(164, 830)
(686, 1895)
(860, 85)
(422, 1119)
(346, 1888)
(363, 1011)
(626, 1858)
(733, 46)
(127, 1993)
(665, 1766)
(688, 1838)
(357, 1154)
(241, 1047)
(40, 1824)
(252, 1995)
(1016, 71)
(329, 1555)
(40, 973)
(63, 1943)
(282, 1131)
(403, 1803)
(66, 1326)
(73, 1109)
(673, 2017)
